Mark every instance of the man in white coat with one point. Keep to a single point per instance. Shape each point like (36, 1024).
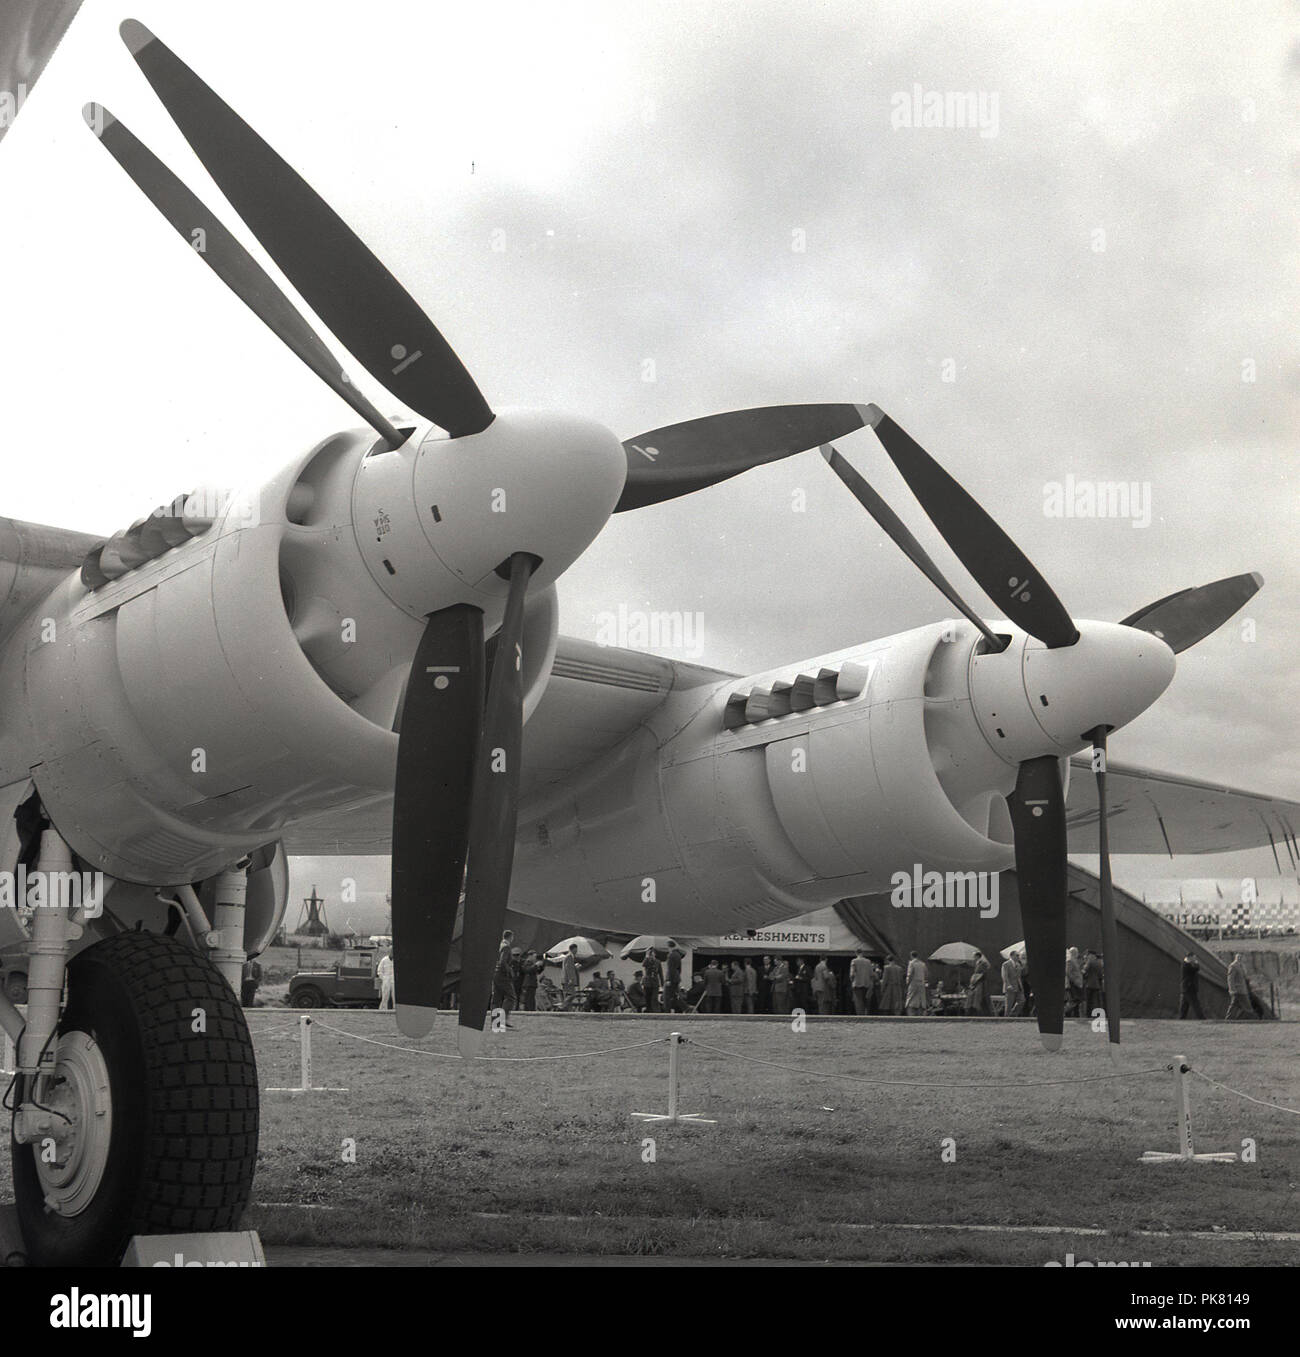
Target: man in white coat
(916, 1000)
(384, 974)
(569, 983)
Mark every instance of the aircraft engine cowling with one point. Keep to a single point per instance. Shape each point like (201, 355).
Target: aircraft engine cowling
(783, 791)
(176, 715)
(897, 774)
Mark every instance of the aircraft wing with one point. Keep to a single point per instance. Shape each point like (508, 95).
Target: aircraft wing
(33, 559)
(596, 697)
(1158, 813)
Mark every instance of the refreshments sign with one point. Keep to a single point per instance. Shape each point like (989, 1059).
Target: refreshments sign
(779, 938)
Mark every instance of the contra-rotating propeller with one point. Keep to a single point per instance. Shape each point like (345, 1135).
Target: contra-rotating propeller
(1037, 802)
(456, 793)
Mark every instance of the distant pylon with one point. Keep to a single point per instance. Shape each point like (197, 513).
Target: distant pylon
(311, 921)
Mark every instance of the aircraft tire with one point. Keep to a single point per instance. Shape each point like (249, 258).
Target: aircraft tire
(181, 1145)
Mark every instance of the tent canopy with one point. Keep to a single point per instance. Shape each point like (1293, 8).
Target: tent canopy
(1152, 949)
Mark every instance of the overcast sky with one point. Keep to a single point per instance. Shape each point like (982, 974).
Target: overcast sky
(716, 195)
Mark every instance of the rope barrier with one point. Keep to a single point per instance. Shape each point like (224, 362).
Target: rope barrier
(1180, 1068)
(578, 1055)
(445, 1055)
(274, 1032)
(908, 1083)
(1277, 1107)
(387, 1045)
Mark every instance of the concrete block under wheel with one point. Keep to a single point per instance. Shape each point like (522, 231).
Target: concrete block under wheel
(234, 1248)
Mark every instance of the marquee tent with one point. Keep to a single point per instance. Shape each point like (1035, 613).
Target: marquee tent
(1151, 955)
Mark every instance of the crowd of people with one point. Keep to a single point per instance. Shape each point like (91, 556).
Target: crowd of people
(520, 982)
(780, 985)
(770, 984)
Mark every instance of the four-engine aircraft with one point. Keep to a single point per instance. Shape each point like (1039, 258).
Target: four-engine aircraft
(361, 654)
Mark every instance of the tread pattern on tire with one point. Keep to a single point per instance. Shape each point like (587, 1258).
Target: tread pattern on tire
(201, 1136)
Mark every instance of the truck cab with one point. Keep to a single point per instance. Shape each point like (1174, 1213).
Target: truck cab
(349, 983)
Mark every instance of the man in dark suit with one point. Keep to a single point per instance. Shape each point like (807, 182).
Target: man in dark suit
(673, 986)
(599, 995)
(653, 978)
(1189, 987)
(503, 979)
(1094, 983)
(530, 974)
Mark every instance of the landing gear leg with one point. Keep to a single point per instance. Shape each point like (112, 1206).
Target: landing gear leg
(52, 930)
(228, 921)
(224, 938)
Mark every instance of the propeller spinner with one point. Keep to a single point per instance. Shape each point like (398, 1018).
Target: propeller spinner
(1099, 677)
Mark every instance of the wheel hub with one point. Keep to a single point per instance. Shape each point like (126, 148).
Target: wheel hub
(71, 1158)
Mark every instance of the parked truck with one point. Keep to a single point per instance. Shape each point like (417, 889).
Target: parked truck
(350, 983)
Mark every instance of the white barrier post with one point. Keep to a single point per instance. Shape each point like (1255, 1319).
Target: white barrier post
(1186, 1152)
(306, 1086)
(1186, 1148)
(673, 1116)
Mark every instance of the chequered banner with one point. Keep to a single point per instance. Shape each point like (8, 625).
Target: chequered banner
(1263, 914)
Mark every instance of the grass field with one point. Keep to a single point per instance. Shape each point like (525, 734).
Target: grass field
(544, 1156)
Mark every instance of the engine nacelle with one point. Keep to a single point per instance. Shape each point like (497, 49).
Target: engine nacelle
(178, 715)
(782, 792)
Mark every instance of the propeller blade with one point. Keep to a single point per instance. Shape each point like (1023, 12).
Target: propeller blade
(1109, 927)
(1001, 569)
(441, 718)
(1037, 808)
(337, 275)
(1190, 615)
(494, 813)
(226, 257)
(911, 548)
(680, 458)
